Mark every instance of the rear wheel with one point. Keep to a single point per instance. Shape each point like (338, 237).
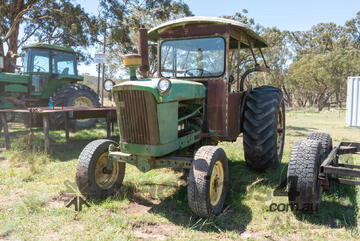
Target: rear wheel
(304, 189)
(74, 95)
(92, 178)
(207, 183)
(35, 122)
(264, 128)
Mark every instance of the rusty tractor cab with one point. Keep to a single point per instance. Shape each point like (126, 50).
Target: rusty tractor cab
(177, 119)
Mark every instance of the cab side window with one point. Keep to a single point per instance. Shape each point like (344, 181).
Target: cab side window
(63, 63)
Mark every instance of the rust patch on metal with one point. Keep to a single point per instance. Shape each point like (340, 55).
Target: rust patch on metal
(137, 117)
(194, 30)
(216, 107)
(94, 114)
(234, 103)
(143, 51)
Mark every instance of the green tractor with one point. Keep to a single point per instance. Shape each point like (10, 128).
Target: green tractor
(50, 71)
(177, 119)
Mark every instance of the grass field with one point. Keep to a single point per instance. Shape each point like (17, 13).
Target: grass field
(34, 188)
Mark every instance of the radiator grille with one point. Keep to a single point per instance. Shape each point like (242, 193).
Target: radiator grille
(137, 117)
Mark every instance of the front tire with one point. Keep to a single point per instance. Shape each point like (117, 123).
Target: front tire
(91, 178)
(264, 128)
(208, 181)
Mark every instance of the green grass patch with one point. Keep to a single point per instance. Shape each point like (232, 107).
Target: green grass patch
(153, 205)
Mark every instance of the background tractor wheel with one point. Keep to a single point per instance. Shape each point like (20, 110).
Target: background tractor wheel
(325, 141)
(264, 128)
(74, 95)
(91, 178)
(36, 120)
(207, 183)
(304, 189)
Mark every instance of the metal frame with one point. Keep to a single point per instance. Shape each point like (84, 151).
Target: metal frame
(331, 166)
(221, 124)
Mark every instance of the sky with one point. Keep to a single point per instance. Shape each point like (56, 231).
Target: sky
(283, 14)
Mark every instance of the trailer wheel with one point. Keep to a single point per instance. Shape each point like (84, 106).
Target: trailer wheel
(264, 128)
(91, 178)
(303, 185)
(207, 182)
(325, 141)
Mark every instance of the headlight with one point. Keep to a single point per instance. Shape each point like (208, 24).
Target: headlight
(108, 85)
(164, 85)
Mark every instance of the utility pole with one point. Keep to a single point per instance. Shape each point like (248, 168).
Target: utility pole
(98, 80)
(103, 69)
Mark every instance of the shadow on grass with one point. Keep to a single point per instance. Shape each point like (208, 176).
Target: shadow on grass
(299, 131)
(60, 149)
(236, 215)
(332, 212)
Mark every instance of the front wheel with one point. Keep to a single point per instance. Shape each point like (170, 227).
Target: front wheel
(207, 183)
(92, 178)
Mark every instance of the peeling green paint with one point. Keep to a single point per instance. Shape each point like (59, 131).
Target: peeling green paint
(180, 89)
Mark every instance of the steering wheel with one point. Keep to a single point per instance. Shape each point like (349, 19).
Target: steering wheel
(188, 72)
(39, 68)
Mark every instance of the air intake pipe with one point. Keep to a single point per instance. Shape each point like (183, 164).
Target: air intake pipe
(143, 51)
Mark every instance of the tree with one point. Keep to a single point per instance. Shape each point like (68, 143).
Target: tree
(353, 29)
(50, 21)
(277, 56)
(243, 60)
(318, 77)
(325, 57)
(120, 21)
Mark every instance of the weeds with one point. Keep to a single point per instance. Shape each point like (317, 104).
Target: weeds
(154, 204)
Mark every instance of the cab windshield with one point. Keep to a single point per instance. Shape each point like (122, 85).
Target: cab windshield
(50, 61)
(193, 58)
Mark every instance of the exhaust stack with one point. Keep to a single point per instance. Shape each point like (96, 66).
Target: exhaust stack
(143, 51)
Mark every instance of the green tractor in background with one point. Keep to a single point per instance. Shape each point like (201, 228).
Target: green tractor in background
(177, 119)
(50, 71)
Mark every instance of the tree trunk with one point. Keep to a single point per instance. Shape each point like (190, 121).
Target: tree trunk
(10, 60)
(287, 97)
(1, 52)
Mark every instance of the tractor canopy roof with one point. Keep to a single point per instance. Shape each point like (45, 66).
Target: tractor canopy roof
(237, 30)
(49, 46)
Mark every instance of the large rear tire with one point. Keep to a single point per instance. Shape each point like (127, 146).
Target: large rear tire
(73, 95)
(264, 128)
(91, 177)
(208, 181)
(35, 122)
(303, 185)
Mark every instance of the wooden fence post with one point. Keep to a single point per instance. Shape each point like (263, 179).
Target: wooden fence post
(6, 130)
(46, 132)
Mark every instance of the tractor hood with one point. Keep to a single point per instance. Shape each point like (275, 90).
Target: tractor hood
(179, 90)
(10, 78)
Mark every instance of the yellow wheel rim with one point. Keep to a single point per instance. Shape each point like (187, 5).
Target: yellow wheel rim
(216, 183)
(102, 179)
(82, 101)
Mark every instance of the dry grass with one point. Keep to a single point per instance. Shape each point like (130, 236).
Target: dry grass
(153, 205)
